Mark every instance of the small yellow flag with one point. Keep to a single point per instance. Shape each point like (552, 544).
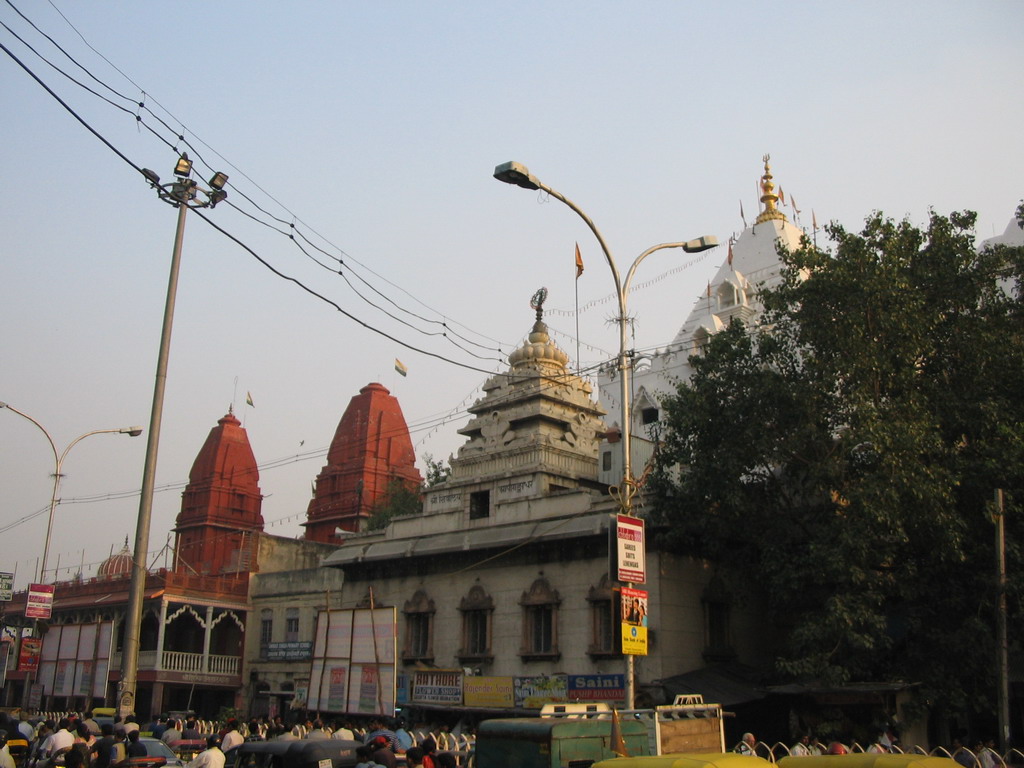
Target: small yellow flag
(579, 262)
(248, 399)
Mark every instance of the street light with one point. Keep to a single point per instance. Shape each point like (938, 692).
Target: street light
(58, 462)
(182, 193)
(519, 175)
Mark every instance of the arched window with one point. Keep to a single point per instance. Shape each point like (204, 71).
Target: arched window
(604, 621)
(477, 609)
(419, 628)
(540, 622)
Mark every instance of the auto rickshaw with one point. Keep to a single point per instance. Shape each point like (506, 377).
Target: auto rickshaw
(300, 753)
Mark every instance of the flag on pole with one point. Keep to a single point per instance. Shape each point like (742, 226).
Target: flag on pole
(792, 204)
(782, 195)
(730, 251)
(248, 399)
(618, 744)
(402, 370)
(742, 216)
(579, 262)
(814, 219)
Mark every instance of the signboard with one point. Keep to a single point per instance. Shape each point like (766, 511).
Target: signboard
(290, 651)
(611, 688)
(444, 501)
(28, 660)
(496, 692)
(354, 661)
(437, 686)
(515, 488)
(40, 601)
(535, 692)
(6, 587)
(631, 566)
(634, 621)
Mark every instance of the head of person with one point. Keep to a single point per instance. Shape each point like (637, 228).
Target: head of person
(363, 753)
(133, 736)
(380, 742)
(73, 758)
(213, 741)
(429, 745)
(83, 731)
(3, 738)
(748, 739)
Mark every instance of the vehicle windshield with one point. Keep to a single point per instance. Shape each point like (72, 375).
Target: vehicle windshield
(156, 748)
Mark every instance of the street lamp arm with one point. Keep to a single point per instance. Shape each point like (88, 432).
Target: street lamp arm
(593, 228)
(53, 447)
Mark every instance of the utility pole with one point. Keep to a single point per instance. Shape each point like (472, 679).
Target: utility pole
(1002, 654)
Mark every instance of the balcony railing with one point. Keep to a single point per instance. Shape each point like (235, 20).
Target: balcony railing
(180, 661)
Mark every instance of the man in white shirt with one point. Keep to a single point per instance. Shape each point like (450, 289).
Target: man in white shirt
(60, 740)
(211, 757)
(233, 737)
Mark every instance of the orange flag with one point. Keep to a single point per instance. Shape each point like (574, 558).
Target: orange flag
(579, 262)
(618, 745)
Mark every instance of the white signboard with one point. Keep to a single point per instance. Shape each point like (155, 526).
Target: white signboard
(355, 653)
(6, 587)
(632, 550)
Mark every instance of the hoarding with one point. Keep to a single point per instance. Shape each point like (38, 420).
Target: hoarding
(354, 659)
(631, 550)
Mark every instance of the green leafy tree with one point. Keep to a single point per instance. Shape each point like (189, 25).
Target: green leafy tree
(843, 458)
(399, 500)
(437, 471)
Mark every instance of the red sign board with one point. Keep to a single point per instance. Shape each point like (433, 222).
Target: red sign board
(28, 660)
(40, 601)
(632, 560)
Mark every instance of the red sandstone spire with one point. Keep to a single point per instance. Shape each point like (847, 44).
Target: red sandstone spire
(220, 508)
(370, 447)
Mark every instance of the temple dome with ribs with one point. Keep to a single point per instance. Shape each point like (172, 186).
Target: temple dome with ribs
(117, 565)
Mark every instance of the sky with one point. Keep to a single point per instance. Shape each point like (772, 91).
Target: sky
(360, 140)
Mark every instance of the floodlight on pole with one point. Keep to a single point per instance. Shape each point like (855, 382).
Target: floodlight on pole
(519, 175)
(183, 193)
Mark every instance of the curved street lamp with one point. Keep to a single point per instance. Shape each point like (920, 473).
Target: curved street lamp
(519, 175)
(58, 463)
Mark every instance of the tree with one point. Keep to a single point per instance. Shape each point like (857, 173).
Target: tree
(437, 471)
(399, 500)
(842, 457)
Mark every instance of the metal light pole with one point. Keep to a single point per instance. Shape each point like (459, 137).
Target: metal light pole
(520, 176)
(58, 463)
(182, 193)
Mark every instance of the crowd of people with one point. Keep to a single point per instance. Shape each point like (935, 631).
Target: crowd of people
(79, 741)
(983, 755)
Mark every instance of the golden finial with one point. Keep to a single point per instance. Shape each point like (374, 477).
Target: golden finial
(768, 196)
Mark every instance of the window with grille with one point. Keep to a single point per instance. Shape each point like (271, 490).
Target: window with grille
(419, 626)
(605, 640)
(477, 609)
(266, 630)
(291, 625)
(540, 622)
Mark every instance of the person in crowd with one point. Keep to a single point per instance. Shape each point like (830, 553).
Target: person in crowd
(191, 732)
(364, 758)
(747, 745)
(232, 736)
(343, 730)
(212, 756)
(59, 741)
(429, 747)
(446, 760)
(6, 759)
(91, 724)
(317, 732)
(255, 732)
(171, 734)
(73, 759)
(802, 748)
(131, 723)
(402, 736)
(84, 741)
(134, 747)
(379, 728)
(414, 757)
(103, 747)
(382, 752)
(159, 725)
(836, 748)
(986, 753)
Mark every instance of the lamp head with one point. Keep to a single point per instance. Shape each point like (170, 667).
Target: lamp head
(218, 180)
(183, 167)
(151, 177)
(701, 244)
(517, 174)
(131, 431)
(216, 196)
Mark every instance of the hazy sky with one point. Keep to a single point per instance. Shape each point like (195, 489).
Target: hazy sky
(374, 128)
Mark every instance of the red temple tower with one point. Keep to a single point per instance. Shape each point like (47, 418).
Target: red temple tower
(221, 505)
(371, 447)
